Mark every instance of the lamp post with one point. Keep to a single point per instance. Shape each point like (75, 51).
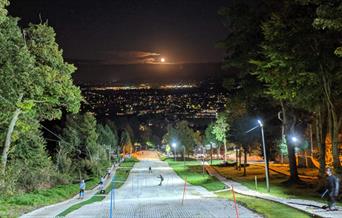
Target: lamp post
(174, 145)
(265, 155)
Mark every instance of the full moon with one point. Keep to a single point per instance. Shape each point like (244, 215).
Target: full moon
(162, 60)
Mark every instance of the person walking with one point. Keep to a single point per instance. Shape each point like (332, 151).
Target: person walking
(161, 180)
(150, 169)
(82, 189)
(101, 185)
(333, 188)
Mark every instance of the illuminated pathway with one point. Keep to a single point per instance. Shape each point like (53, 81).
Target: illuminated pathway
(141, 196)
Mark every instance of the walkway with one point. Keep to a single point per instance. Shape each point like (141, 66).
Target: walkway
(312, 207)
(141, 196)
(55, 209)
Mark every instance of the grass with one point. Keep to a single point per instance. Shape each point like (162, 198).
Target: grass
(278, 187)
(16, 205)
(121, 175)
(193, 172)
(264, 207)
(74, 207)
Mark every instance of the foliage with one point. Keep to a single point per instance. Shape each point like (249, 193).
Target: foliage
(170, 135)
(3, 11)
(182, 135)
(35, 85)
(242, 20)
(198, 138)
(114, 130)
(106, 136)
(329, 16)
(79, 153)
(221, 127)
(126, 142)
(282, 145)
(168, 148)
(307, 77)
(21, 203)
(54, 84)
(145, 133)
(185, 136)
(209, 137)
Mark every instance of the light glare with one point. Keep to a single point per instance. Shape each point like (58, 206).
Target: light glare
(260, 123)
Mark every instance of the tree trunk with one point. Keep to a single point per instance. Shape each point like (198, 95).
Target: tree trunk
(245, 162)
(289, 129)
(282, 134)
(335, 141)
(240, 154)
(236, 158)
(292, 161)
(333, 118)
(225, 150)
(321, 132)
(211, 154)
(311, 141)
(218, 152)
(9, 139)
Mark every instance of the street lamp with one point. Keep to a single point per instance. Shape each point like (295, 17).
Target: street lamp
(174, 145)
(265, 155)
(296, 141)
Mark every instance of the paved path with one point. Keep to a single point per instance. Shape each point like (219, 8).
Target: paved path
(141, 196)
(55, 209)
(313, 207)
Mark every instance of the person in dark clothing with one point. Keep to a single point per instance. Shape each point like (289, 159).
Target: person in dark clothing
(161, 180)
(150, 169)
(333, 189)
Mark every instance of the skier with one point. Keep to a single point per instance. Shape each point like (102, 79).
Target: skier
(161, 179)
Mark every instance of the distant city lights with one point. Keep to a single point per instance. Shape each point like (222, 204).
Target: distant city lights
(144, 86)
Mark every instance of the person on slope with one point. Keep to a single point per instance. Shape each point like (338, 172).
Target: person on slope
(82, 189)
(101, 185)
(333, 188)
(161, 180)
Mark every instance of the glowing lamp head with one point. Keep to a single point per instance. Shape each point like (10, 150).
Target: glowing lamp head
(162, 60)
(294, 139)
(260, 123)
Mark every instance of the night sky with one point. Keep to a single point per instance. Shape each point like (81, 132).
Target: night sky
(125, 40)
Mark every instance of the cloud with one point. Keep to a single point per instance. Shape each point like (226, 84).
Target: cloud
(132, 57)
